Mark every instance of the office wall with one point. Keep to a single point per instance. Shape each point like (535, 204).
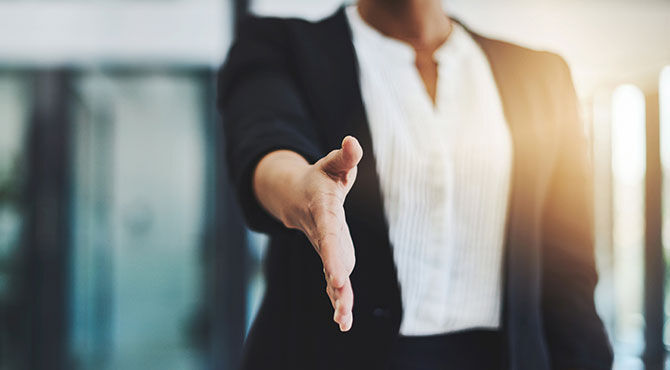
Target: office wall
(155, 263)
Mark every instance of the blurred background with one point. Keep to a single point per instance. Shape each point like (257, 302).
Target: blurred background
(120, 245)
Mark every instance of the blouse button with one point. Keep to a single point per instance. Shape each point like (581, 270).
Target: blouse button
(383, 313)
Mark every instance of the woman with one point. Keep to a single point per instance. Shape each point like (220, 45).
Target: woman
(449, 229)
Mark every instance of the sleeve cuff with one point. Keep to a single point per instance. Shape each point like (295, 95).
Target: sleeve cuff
(256, 217)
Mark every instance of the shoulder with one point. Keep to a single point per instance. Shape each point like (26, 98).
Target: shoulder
(525, 59)
(266, 28)
(261, 42)
(275, 45)
(537, 76)
(542, 74)
(281, 40)
(257, 36)
(281, 30)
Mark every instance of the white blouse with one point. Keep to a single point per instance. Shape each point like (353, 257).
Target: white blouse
(444, 171)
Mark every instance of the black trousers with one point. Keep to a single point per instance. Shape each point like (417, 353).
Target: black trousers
(466, 350)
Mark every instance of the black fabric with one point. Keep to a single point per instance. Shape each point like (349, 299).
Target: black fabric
(293, 84)
(466, 350)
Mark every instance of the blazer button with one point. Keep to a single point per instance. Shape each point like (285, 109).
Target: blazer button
(382, 313)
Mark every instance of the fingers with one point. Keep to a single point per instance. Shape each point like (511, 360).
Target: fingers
(336, 250)
(329, 232)
(339, 162)
(337, 254)
(342, 300)
(351, 151)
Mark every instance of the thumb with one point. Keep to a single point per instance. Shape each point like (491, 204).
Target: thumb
(339, 162)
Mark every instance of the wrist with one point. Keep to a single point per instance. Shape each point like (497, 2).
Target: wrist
(276, 180)
(295, 207)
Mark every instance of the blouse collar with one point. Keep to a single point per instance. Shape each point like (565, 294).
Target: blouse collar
(392, 49)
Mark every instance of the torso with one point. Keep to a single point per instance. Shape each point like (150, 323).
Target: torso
(443, 154)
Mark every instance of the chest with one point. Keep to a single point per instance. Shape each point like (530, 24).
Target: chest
(378, 103)
(464, 116)
(427, 68)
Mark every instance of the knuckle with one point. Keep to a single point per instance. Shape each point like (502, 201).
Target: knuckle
(324, 239)
(347, 305)
(338, 279)
(333, 153)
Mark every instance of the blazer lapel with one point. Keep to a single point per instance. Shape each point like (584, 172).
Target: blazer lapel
(338, 103)
(522, 102)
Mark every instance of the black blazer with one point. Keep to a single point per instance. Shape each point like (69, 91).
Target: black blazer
(293, 84)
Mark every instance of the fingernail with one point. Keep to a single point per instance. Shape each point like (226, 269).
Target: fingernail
(346, 323)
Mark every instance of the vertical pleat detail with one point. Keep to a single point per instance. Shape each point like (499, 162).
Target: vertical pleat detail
(444, 173)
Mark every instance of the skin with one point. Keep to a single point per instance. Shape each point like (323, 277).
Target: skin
(421, 23)
(310, 198)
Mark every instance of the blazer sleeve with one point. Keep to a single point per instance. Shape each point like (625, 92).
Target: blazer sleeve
(574, 332)
(262, 110)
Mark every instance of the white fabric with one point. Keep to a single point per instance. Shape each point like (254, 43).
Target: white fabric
(444, 171)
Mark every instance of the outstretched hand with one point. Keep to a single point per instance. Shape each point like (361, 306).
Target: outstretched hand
(313, 201)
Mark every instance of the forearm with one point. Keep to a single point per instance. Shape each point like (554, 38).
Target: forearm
(277, 184)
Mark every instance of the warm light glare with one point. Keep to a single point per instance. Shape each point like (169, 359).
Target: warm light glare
(628, 170)
(628, 134)
(664, 106)
(664, 103)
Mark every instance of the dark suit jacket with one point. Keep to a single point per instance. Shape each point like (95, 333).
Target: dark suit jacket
(293, 84)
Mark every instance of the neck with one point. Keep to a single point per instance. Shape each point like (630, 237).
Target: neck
(421, 23)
